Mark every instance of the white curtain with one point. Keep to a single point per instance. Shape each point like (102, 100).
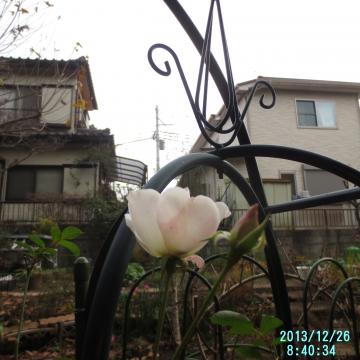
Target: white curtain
(325, 111)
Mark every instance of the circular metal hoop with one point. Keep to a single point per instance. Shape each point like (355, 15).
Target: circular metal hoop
(109, 270)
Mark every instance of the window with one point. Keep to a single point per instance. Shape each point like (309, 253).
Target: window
(315, 113)
(320, 181)
(56, 105)
(25, 181)
(18, 103)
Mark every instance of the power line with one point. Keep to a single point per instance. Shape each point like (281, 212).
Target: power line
(132, 141)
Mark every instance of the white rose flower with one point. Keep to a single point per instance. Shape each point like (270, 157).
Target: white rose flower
(173, 223)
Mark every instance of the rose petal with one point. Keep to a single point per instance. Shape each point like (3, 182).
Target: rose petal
(223, 209)
(171, 203)
(197, 260)
(142, 221)
(185, 233)
(148, 249)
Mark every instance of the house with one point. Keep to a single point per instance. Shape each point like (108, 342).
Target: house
(319, 116)
(50, 157)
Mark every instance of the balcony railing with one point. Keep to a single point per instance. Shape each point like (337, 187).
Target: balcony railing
(71, 213)
(308, 219)
(74, 213)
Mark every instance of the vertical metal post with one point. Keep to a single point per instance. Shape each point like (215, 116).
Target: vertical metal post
(81, 279)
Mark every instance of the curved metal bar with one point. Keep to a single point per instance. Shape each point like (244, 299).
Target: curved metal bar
(107, 284)
(225, 87)
(127, 307)
(307, 286)
(198, 115)
(316, 200)
(193, 274)
(198, 42)
(183, 164)
(278, 285)
(167, 72)
(289, 153)
(99, 263)
(221, 84)
(200, 119)
(231, 106)
(347, 283)
(276, 274)
(261, 100)
(207, 260)
(205, 281)
(246, 257)
(194, 103)
(308, 282)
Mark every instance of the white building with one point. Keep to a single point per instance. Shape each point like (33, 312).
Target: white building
(319, 116)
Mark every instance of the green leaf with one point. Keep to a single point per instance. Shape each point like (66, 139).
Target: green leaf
(248, 352)
(49, 251)
(37, 240)
(55, 233)
(70, 233)
(269, 323)
(69, 245)
(24, 245)
(239, 324)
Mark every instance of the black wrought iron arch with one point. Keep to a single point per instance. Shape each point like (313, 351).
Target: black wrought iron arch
(110, 267)
(106, 281)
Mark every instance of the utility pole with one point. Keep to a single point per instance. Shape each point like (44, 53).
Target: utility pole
(157, 139)
(160, 143)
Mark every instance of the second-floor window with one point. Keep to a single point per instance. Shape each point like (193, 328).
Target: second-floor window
(313, 113)
(56, 104)
(18, 103)
(25, 183)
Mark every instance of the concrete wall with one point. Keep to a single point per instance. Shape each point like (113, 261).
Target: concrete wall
(313, 244)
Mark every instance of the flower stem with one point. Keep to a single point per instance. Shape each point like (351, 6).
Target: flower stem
(191, 330)
(21, 321)
(167, 271)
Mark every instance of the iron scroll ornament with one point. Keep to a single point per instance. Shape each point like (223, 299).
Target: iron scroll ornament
(232, 110)
(230, 98)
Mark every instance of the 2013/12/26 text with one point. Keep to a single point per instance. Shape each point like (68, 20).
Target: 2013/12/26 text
(321, 336)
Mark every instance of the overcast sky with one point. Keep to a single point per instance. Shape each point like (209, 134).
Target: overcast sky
(299, 39)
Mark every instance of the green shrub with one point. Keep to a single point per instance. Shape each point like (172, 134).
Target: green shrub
(134, 272)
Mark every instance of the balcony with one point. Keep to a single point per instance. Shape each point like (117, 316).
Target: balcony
(29, 213)
(308, 219)
(74, 213)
